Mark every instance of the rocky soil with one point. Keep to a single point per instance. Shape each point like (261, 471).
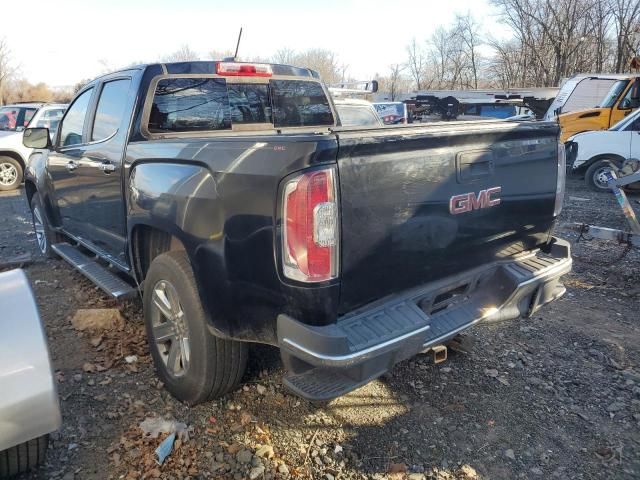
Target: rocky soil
(553, 396)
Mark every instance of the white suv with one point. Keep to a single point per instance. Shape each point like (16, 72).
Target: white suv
(13, 120)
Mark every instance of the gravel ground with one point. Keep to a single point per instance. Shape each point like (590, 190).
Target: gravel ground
(553, 396)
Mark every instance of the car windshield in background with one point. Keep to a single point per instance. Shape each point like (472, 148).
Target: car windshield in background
(352, 115)
(209, 104)
(13, 117)
(613, 94)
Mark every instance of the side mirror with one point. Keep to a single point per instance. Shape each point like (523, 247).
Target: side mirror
(36, 138)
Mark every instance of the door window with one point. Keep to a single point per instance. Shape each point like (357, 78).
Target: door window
(73, 123)
(632, 97)
(111, 106)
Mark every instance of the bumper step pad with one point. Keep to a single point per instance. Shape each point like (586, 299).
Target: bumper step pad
(109, 282)
(326, 362)
(319, 385)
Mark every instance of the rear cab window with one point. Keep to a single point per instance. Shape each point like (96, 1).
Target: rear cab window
(216, 104)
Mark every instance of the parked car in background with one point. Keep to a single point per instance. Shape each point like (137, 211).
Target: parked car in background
(593, 153)
(13, 120)
(29, 407)
(349, 248)
(392, 113)
(353, 112)
(622, 98)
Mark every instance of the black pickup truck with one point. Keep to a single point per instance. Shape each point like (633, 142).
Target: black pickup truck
(229, 197)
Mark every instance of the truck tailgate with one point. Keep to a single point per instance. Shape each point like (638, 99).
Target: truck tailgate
(396, 187)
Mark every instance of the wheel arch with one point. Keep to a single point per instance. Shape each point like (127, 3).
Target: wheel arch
(618, 159)
(146, 242)
(15, 155)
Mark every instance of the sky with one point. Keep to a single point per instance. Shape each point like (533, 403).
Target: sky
(65, 41)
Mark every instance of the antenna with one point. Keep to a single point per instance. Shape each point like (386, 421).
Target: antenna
(235, 57)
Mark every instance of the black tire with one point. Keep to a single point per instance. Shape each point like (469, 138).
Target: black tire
(49, 236)
(11, 173)
(214, 366)
(593, 176)
(23, 457)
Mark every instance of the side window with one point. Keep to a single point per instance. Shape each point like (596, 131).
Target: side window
(632, 97)
(190, 105)
(111, 106)
(634, 126)
(28, 115)
(50, 119)
(297, 103)
(73, 123)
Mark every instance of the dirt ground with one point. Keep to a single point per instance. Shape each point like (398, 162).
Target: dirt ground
(554, 396)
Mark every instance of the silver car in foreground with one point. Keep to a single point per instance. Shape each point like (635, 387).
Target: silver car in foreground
(29, 408)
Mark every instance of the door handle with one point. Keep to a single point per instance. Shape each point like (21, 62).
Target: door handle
(107, 167)
(71, 166)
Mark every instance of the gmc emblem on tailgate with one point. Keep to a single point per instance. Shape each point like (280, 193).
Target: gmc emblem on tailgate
(466, 202)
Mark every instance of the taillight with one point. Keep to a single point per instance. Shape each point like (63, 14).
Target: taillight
(562, 174)
(310, 227)
(234, 69)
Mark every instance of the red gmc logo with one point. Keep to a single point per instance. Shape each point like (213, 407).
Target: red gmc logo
(466, 202)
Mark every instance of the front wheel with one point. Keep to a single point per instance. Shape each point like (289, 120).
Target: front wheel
(194, 365)
(595, 177)
(45, 235)
(10, 173)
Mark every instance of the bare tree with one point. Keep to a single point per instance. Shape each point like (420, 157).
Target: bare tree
(395, 77)
(220, 54)
(7, 70)
(323, 61)
(466, 29)
(626, 18)
(416, 64)
(183, 54)
(284, 55)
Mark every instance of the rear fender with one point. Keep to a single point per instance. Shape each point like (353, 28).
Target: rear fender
(29, 405)
(181, 199)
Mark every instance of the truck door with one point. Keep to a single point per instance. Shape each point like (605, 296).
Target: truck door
(628, 102)
(100, 176)
(64, 163)
(635, 138)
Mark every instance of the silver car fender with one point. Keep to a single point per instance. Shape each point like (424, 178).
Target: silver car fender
(29, 406)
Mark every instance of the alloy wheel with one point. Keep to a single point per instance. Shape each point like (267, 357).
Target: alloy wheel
(8, 174)
(170, 331)
(38, 225)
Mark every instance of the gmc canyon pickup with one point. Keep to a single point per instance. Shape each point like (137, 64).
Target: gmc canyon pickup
(229, 196)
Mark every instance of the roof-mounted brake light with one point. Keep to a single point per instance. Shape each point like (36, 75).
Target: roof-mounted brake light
(234, 69)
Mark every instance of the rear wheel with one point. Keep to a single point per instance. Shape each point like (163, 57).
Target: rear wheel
(595, 177)
(194, 365)
(10, 173)
(23, 457)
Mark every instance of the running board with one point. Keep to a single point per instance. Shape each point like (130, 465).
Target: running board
(109, 282)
